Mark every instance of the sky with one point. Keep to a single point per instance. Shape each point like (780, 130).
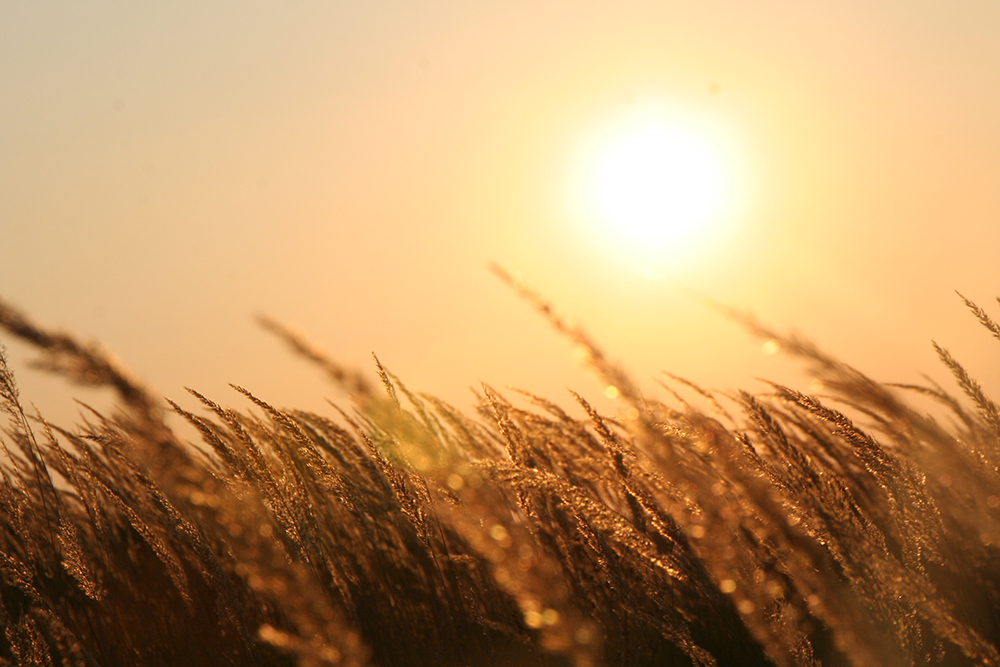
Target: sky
(168, 171)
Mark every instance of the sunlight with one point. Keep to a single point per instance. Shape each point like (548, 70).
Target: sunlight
(655, 189)
(657, 184)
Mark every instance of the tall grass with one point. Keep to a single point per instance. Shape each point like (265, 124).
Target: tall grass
(769, 529)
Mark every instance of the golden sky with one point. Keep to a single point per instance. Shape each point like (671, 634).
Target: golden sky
(169, 170)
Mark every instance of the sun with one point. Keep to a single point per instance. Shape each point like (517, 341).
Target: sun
(656, 188)
(657, 184)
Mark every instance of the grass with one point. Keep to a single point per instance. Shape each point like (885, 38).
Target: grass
(768, 529)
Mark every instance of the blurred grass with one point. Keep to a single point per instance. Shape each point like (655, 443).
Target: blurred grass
(780, 528)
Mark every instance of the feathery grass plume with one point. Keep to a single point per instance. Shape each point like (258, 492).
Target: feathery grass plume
(596, 359)
(981, 315)
(89, 364)
(766, 529)
(85, 364)
(988, 410)
(348, 378)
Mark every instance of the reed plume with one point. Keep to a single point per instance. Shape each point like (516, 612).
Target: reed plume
(773, 528)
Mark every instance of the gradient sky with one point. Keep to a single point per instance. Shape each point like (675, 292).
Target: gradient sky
(169, 170)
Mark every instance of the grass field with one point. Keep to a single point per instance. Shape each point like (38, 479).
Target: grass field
(691, 528)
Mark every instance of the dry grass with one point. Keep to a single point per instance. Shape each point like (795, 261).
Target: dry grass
(771, 530)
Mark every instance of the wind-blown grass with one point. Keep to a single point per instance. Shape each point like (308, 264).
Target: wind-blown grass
(769, 529)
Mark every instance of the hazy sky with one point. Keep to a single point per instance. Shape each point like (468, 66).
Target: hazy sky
(168, 170)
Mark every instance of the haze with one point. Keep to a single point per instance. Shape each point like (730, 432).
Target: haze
(168, 171)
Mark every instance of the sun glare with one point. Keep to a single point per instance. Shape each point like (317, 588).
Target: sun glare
(656, 190)
(657, 184)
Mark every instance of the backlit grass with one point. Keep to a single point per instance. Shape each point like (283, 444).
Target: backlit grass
(779, 528)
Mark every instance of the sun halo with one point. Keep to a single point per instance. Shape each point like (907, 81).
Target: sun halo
(655, 191)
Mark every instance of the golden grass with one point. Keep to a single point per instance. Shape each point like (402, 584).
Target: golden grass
(773, 529)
